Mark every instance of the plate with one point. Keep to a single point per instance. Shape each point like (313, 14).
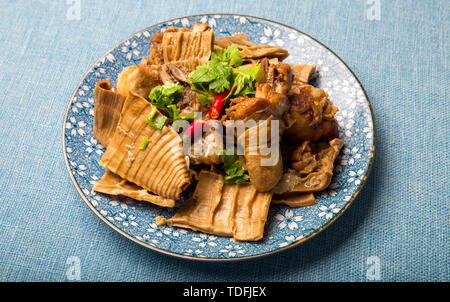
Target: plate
(286, 227)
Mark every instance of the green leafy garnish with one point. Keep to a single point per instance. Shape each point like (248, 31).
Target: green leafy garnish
(213, 75)
(244, 80)
(164, 95)
(204, 100)
(229, 55)
(144, 144)
(217, 73)
(156, 119)
(175, 113)
(234, 173)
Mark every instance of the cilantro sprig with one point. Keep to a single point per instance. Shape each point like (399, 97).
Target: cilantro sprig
(218, 75)
(244, 80)
(165, 95)
(234, 173)
(230, 55)
(213, 75)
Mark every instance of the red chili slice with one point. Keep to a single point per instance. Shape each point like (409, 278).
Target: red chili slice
(217, 106)
(194, 129)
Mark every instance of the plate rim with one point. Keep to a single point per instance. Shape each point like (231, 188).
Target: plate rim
(206, 259)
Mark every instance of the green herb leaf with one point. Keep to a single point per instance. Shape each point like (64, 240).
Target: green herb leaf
(164, 95)
(244, 80)
(175, 113)
(204, 100)
(156, 119)
(229, 55)
(217, 74)
(234, 173)
(213, 75)
(144, 144)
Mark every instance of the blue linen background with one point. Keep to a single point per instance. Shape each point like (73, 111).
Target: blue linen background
(401, 216)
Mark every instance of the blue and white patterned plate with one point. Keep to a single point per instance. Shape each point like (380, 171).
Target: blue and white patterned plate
(285, 227)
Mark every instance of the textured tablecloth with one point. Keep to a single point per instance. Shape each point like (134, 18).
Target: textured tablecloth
(396, 230)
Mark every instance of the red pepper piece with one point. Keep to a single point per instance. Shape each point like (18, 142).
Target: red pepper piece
(194, 129)
(217, 106)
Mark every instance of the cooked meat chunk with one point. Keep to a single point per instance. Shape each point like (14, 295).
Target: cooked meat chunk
(248, 108)
(139, 78)
(303, 159)
(303, 73)
(108, 105)
(282, 78)
(311, 115)
(266, 103)
(278, 101)
(171, 73)
(311, 167)
(189, 103)
(250, 50)
(279, 75)
(313, 100)
(206, 150)
(299, 132)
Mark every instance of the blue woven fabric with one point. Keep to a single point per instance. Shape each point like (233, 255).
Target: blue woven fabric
(396, 230)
